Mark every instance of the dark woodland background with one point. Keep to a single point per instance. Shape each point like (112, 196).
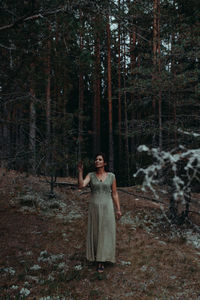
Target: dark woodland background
(77, 77)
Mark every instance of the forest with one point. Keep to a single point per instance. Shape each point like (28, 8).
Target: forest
(79, 77)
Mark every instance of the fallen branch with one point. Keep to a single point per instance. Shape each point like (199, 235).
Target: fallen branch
(147, 198)
(154, 200)
(194, 212)
(61, 183)
(65, 184)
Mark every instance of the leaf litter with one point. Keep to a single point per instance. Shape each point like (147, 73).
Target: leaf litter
(43, 248)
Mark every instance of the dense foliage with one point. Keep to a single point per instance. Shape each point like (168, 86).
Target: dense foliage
(54, 82)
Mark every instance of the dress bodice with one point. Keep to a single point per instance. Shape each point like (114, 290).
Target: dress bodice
(98, 186)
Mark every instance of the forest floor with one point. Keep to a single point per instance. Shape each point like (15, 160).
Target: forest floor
(42, 246)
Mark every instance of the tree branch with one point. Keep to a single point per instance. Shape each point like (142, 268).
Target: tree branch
(69, 6)
(6, 47)
(33, 17)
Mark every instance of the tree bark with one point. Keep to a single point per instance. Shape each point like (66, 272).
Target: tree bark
(157, 68)
(48, 94)
(173, 70)
(126, 119)
(6, 137)
(132, 37)
(119, 92)
(111, 153)
(155, 36)
(159, 76)
(81, 94)
(48, 101)
(97, 91)
(32, 134)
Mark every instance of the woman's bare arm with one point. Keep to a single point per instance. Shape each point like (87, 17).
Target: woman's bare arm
(116, 199)
(82, 182)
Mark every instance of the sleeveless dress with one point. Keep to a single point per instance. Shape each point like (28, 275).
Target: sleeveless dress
(101, 234)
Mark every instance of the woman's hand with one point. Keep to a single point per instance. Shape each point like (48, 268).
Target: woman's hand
(118, 214)
(80, 166)
(82, 182)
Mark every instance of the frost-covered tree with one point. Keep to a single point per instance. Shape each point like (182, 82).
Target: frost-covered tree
(178, 169)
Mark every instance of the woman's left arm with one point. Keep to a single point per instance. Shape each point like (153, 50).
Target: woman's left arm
(116, 199)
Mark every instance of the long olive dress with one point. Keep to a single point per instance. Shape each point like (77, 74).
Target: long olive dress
(101, 235)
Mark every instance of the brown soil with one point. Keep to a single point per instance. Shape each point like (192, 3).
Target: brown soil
(153, 262)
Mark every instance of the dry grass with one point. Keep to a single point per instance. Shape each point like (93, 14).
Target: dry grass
(153, 262)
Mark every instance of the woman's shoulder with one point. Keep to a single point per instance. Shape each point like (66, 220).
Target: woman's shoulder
(111, 174)
(91, 174)
(111, 177)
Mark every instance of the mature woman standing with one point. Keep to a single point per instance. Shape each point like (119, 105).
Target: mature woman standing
(101, 235)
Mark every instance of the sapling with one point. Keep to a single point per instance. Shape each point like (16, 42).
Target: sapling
(178, 168)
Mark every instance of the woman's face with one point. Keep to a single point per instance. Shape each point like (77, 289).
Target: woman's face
(99, 161)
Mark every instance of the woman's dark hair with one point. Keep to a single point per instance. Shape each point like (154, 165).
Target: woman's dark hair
(101, 154)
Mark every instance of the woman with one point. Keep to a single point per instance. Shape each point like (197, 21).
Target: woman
(101, 233)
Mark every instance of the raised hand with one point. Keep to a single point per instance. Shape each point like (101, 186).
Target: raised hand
(80, 166)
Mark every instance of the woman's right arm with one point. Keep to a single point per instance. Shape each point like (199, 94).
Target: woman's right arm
(82, 182)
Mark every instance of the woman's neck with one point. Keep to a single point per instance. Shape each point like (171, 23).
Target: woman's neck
(100, 171)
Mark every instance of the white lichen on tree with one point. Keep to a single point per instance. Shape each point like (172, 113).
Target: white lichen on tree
(179, 168)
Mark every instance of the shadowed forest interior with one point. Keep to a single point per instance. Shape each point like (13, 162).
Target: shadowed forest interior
(82, 76)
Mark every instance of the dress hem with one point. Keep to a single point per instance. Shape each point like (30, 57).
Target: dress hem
(100, 260)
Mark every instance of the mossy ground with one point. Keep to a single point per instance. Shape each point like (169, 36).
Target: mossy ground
(154, 260)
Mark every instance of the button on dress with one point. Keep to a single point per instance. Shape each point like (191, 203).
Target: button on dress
(101, 234)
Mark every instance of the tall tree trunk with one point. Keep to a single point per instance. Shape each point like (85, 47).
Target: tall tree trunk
(81, 94)
(32, 134)
(155, 35)
(48, 101)
(97, 92)
(94, 128)
(159, 76)
(111, 153)
(126, 119)
(17, 115)
(132, 37)
(157, 69)
(80, 119)
(119, 93)
(65, 135)
(6, 145)
(173, 70)
(48, 94)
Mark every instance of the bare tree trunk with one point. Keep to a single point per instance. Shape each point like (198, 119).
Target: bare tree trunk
(48, 100)
(155, 34)
(173, 70)
(80, 121)
(65, 136)
(126, 119)
(97, 91)
(94, 120)
(157, 69)
(154, 78)
(111, 153)
(119, 93)
(6, 136)
(159, 75)
(132, 36)
(81, 96)
(32, 134)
